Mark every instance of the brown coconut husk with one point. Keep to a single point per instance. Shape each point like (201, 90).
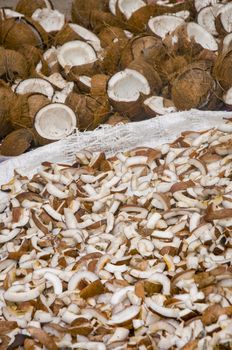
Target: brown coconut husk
(17, 142)
(32, 55)
(99, 85)
(90, 111)
(6, 95)
(19, 113)
(81, 10)
(132, 110)
(28, 7)
(12, 65)
(222, 70)
(35, 103)
(66, 34)
(109, 34)
(171, 67)
(101, 19)
(112, 55)
(149, 73)
(194, 87)
(146, 47)
(88, 69)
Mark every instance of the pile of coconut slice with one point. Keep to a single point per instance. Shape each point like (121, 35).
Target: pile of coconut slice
(129, 252)
(115, 61)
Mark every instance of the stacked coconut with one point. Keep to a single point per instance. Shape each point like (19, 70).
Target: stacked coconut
(117, 61)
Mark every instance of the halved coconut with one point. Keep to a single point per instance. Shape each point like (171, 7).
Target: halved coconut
(17, 142)
(125, 90)
(108, 35)
(76, 54)
(35, 85)
(50, 20)
(32, 55)
(157, 105)
(222, 70)
(128, 7)
(12, 65)
(54, 122)
(227, 98)
(84, 83)
(35, 102)
(28, 7)
(200, 4)
(100, 19)
(207, 16)
(224, 19)
(201, 36)
(163, 25)
(110, 61)
(8, 13)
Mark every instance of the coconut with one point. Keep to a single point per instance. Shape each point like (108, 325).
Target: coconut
(200, 4)
(126, 89)
(116, 119)
(146, 47)
(91, 111)
(193, 88)
(19, 113)
(81, 10)
(222, 70)
(99, 85)
(224, 19)
(32, 56)
(101, 19)
(127, 7)
(77, 57)
(9, 13)
(226, 44)
(83, 83)
(28, 7)
(12, 65)
(165, 24)
(157, 105)
(35, 85)
(149, 73)
(227, 98)
(17, 142)
(170, 67)
(6, 95)
(111, 56)
(137, 23)
(54, 122)
(206, 18)
(35, 103)
(108, 35)
(50, 20)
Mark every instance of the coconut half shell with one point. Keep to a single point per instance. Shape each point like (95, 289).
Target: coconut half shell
(127, 7)
(222, 70)
(108, 35)
(164, 25)
(50, 20)
(12, 65)
(35, 85)
(28, 7)
(6, 95)
(157, 105)
(54, 122)
(17, 142)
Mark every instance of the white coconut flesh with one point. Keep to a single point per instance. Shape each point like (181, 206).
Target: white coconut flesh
(35, 85)
(128, 7)
(225, 13)
(200, 4)
(76, 53)
(85, 80)
(112, 6)
(201, 36)
(55, 121)
(227, 97)
(50, 20)
(185, 14)
(87, 35)
(8, 13)
(165, 24)
(206, 18)
(127, 85)
(227, 42)
(156, 104)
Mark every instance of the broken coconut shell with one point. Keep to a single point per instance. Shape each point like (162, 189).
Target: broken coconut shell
(12, 65)
(32, 55)
(6, 95)
(28, 7)
(17, 142)
(222, 70)
(157, 105)
(108, 35)
(81, 10)
(111, 56)
(99, 85)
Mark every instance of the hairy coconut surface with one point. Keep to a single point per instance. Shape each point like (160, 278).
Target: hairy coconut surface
(17, 142)
(99, 84)
(6, 95)
(28, 7)
(108, 35)
(12, 65)
(32, 55)
(222, 70)
(111, 57)
(35, 103)
(81, 10)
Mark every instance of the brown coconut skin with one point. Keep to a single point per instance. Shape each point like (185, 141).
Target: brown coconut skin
(6, 95)
(66, 34)
(28, 7)
(12, 65)
(17, 142)
(112, 55)
(108, 34)
(222, 70)
(81, 10)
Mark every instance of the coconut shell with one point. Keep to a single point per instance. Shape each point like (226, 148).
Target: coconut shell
(85, 69)
(35, 103)
(17, 142)
(81, 10)
(66, 34)
(151, 113)
(132, 110)
(222, 70)
(149, 73)
(100, 20)
(116, 118)
(137, 23)
(170, 67)
(33, 55)
(193, 88)
(90, 111)
(28, 7)
(19, 113)
(99, 85)
(112, 55)
(12, 65)
(6, 95)
(110, 34)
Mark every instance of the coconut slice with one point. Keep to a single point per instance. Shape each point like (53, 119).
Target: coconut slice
(8, 13)
(157, 105)
(54, 122)
(206, 18)
(35, 85)
(50, 20)
(128, 7)
(163, 25)
(76, 53)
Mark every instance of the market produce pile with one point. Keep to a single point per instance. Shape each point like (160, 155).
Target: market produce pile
(116, 61)
(129, 252)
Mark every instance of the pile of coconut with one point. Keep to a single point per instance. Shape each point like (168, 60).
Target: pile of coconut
(115, 61)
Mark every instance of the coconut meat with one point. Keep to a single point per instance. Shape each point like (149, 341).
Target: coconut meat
(50, 20)
(76, 53)
(206, 18)
(201, 36)
(55, 121)
(156, 103)
(8, 13)
(112, 6)
(127, 85)
(200, 4)
(35, 85)
(87, 35)
(185, 14)
(165, 24)
(226, 17)
(128, 7)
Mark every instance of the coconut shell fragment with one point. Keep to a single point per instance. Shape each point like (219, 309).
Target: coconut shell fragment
(28, 7)
(17, 142)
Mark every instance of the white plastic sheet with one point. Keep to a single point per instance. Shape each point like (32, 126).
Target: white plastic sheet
(152, 132)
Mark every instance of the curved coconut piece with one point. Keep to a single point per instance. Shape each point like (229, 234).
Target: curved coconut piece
(201, 36)
(112, 6)
(19, 113)
(149, 73)
(224, 19)
(108, 35)
(100, 19)
(207, 18)
(54, 122)
(50, 20)
(12, 65)
(163, 25)
(170, 67)
(222, 70)
(83, 83)
(6, 95)
(8, 13)
(81, 10)
(35, 85)
(128, 7)
(111, 56)
(28, 7)
(16, 143)
(200, 4)
(193, 88)
(125, 90)
(227, 43)
(91, 111)
(77, 54)
(99, 85)
(157, 105)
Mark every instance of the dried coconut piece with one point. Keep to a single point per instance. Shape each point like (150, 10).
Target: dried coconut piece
(165, 24)
(35, 85)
